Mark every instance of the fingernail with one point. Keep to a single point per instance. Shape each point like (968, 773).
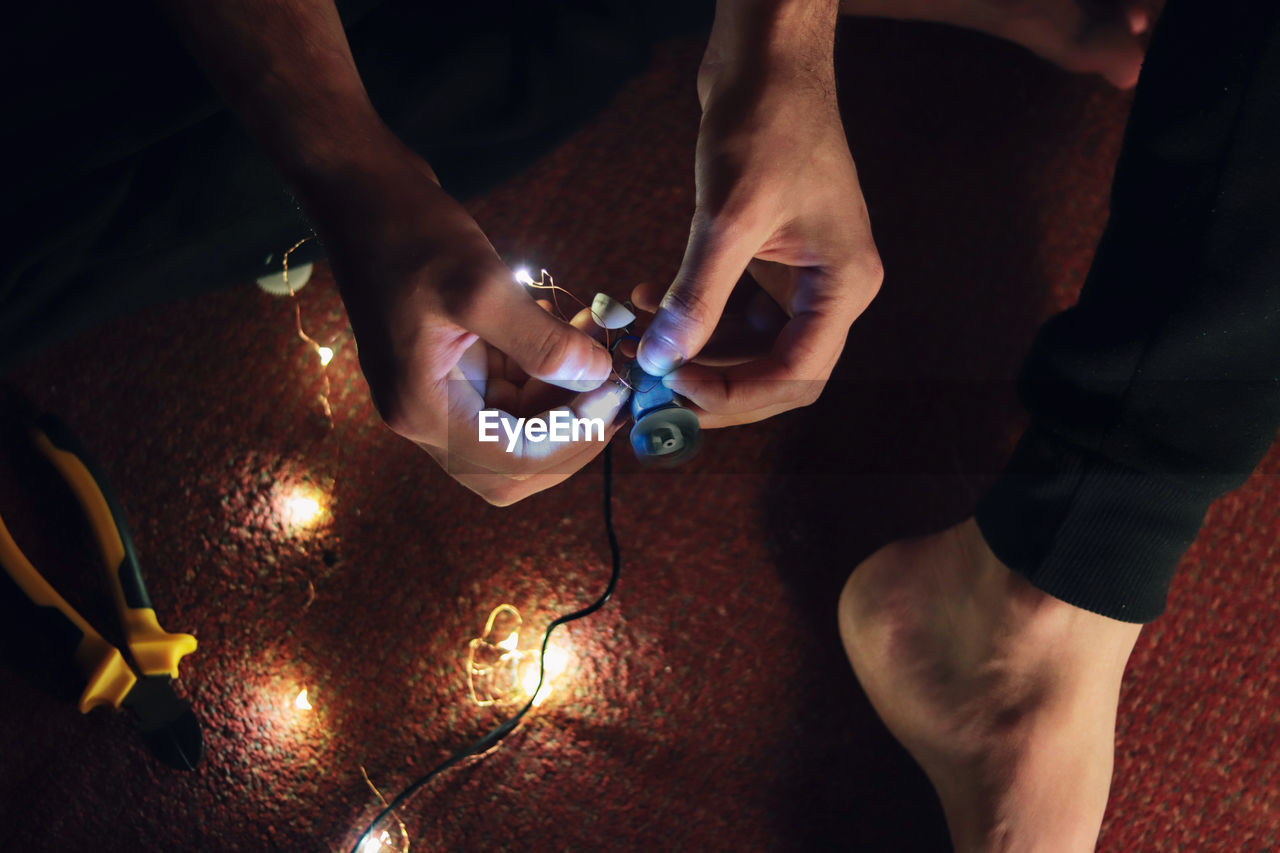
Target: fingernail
(588, 378)
(658, 355)
(581, 384)
(605, 402)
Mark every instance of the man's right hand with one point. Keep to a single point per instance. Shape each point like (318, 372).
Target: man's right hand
(444, 330)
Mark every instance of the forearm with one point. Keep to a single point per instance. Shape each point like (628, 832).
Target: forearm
(775, 33)
(771, 42)
(285, 68)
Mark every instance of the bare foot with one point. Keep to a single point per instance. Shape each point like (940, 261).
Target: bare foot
(1005, 696)
(1080, 35)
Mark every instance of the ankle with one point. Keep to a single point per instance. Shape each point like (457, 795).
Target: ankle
(1025, 623)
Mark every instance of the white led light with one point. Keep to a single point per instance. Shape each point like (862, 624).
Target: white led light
(382, 841)
(301, 510)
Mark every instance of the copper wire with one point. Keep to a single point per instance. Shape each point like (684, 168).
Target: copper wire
(549, 283)
(403, 832)
(316, 345)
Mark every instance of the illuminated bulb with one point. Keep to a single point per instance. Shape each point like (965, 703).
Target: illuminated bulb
(556, 662)
(326, 355)
(302, 508)
(522, 276)
(500, 672)
(385, 841)
(554, 665)
(395, 840)
(302, 703)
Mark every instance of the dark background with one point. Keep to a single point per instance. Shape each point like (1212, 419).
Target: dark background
(709, 706)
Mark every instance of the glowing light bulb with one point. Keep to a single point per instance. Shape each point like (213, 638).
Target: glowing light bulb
(301, 508)
(556, 661)
(554, 665)
(385, 841)
(493, 660)
(522, 276)
(302, 703)
(394, 840)
(500, 672)
(326, 355)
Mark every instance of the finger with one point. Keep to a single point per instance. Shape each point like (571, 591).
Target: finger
(790, 376)
(534, 395)
(745, 334)
(416, 403)
(751, 320)
(778, 280)
(500, 367)
(1138, 19)
(715, 258)
(503, 394)
(584, 322)
(1109, 42)
(647, 296)
(545, 347)
(475, 364)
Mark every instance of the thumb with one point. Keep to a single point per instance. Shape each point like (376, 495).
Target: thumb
(545, 347)
(713, 263)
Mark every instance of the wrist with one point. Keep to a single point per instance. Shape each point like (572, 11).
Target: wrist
(332, 131)
(771, 40)
(784, 32)
(368, 183)
(310, 113)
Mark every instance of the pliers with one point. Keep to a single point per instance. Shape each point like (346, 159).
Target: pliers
(167, 723)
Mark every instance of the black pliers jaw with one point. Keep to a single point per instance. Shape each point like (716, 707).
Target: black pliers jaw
(167, 723)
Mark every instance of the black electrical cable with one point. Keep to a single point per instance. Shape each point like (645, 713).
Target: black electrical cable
(503, 729)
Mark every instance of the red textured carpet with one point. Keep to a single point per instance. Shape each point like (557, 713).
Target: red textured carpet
(709, 706)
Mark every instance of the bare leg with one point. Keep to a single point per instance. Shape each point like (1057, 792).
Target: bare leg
(1005, 696)
(1080, 36)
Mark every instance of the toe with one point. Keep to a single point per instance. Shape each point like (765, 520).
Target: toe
(1139, 20)
(1109, 48)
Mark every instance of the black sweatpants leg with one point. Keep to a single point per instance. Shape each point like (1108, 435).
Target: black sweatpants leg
(1160, 390)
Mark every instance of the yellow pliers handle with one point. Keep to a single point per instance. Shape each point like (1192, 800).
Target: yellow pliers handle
(109, 678)
(154, 650)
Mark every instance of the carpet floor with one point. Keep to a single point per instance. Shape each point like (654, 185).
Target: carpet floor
(709, 705)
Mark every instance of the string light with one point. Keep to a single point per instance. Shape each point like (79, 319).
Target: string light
(546, 282)
(555, 663)
(491, 739)
(302, 508)
(383, 840)
(324, 353)
(302, 703)
(499, 672)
